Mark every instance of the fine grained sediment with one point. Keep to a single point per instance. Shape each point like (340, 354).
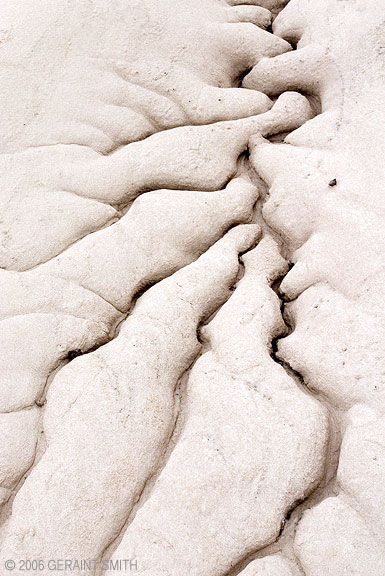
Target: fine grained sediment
(325, 201)
(92, 79)
(102, 273)
(251, 443)
(115, 407)
(179, 385)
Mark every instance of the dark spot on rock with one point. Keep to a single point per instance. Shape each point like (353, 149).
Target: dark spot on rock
(73, 354)
(40, 403)
(333, 182)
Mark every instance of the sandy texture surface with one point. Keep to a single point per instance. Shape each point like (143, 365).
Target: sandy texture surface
(192, 372)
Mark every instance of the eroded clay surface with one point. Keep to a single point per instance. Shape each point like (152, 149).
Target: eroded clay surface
(192, 257)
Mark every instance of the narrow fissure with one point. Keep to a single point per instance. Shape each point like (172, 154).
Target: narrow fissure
(327, 486)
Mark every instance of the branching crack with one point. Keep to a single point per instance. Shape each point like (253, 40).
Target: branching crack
(327, 486)
(284, 540)
(171, 442)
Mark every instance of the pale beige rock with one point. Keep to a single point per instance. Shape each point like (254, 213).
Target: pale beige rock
(275, 565)
(42, 320)
(93, 77)
(33, 347)
(325, 201)
(334, 539)
(144, 249)
(14, 443)
(115, 407)
(180, 158)
(119, 71)
(163, 231)
(349, 530)
(191, 157)
(36, 292)
(350, 343)
(251, 444)
(102, 102)
(362, 465)
(44, 223)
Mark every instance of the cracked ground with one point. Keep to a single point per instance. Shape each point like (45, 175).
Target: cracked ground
(192, 255)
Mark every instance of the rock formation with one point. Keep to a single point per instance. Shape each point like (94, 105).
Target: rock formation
(192, 258)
